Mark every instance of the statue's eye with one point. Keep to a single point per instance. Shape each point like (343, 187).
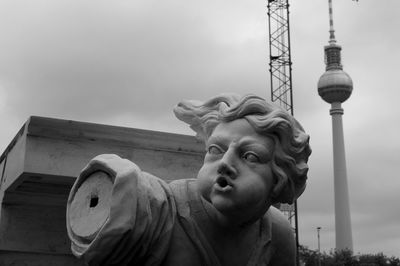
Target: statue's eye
(251, 157)
(214, 149)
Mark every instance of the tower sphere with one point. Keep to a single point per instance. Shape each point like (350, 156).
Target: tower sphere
(335, 85)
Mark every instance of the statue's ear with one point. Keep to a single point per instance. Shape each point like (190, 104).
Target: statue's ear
(283, 191)
(287, 191)
(279, 184)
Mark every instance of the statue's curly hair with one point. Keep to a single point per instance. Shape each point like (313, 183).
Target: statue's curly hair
(291, 143)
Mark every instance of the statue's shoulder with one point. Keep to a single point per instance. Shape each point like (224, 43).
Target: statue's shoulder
(280, 222)
(282, 238)
(185, 195)
(182, 188)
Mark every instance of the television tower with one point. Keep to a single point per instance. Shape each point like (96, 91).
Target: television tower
(335, 87)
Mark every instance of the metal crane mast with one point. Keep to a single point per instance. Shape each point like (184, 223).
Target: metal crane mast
(280, 57)
(281, 78)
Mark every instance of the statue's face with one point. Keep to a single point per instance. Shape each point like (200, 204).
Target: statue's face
(236, 176)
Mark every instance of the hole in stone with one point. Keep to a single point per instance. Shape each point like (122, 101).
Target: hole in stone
(94, 200)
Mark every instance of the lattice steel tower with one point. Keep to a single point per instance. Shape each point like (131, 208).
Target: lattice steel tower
(281, 77)
(280, 57)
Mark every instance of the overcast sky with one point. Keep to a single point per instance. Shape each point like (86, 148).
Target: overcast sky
(128, 63)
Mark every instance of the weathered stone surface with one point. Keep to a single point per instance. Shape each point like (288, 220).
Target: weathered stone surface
(90, 207)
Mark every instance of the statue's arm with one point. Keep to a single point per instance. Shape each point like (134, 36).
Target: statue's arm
(130, 220)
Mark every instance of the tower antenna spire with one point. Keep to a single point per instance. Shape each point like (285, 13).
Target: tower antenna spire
(332, 39)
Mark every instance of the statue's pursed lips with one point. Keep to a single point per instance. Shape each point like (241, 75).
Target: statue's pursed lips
(223, 184)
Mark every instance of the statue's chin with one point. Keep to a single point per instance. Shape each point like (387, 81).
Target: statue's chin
(228, 213)
(225, 212)
(222, 204)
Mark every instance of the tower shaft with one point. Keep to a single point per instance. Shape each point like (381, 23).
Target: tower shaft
(342, 209)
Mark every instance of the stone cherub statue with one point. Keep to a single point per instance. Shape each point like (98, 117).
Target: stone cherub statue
(256, 156)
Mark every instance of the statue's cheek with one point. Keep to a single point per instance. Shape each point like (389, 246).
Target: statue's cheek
(204, 186)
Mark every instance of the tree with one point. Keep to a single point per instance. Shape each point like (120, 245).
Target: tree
(345, 258)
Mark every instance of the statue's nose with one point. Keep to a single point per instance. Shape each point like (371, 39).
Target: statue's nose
(227, 165)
